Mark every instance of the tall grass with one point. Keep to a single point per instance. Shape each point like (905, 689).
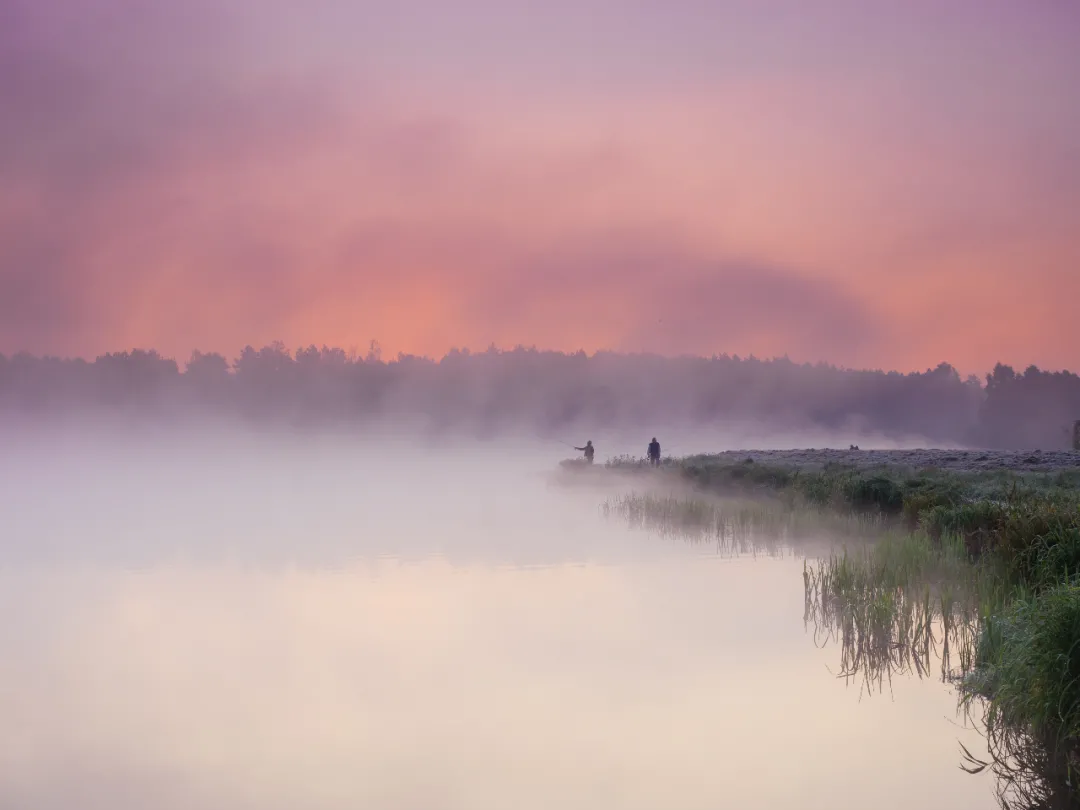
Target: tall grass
(1027, 686)
(902, 605)
(913, 603)
(972, 576)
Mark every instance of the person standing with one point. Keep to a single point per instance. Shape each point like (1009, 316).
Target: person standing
(587, 450)
(654, 452)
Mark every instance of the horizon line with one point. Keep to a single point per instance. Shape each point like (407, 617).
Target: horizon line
(374, 353)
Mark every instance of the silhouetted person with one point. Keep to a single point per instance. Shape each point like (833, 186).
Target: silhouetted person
(587, 450)
(654, 451)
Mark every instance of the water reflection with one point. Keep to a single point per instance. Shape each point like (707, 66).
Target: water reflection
(443, 634)
(884, 632)
(432, 685)
(907, 632)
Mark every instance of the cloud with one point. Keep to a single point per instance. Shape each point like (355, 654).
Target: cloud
(652, 294)
(212, 174)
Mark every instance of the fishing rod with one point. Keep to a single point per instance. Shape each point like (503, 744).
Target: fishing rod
(556, 441)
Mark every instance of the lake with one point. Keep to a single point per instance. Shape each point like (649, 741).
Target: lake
(227, 620)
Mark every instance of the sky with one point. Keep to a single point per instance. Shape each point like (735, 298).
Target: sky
(873, 184)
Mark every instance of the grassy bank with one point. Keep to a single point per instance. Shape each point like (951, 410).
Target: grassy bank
(984, 566)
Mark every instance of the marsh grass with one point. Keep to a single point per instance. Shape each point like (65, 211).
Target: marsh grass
(900, 605)
(973, 578)
(915, 601)
(1027, 686)
(888, 490)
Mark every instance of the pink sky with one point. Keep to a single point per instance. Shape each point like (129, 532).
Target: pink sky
(868, 183)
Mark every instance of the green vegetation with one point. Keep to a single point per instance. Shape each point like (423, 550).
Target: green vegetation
(978, 571)
(897, 606)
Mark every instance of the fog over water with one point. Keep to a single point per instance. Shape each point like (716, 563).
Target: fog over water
(225, 619)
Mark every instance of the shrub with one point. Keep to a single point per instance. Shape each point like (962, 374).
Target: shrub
(1030, 665)
(876, 494)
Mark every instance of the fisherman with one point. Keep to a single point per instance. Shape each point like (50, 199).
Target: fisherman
(587, 450)
(654, 452)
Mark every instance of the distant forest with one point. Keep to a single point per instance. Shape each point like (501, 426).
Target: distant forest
(493, 391)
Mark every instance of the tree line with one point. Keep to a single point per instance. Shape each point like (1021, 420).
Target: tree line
(544, 390)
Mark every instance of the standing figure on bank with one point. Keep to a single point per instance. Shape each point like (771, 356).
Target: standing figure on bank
(654, 452)
(587, 450)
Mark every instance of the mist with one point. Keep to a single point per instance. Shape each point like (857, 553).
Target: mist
(700, 404)
(233, 615)
(299, 569)
(212, 492)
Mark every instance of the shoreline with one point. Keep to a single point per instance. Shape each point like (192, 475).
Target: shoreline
(996, 533)
(915, 459)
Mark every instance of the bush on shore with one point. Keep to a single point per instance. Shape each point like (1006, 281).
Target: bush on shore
(1001, 549)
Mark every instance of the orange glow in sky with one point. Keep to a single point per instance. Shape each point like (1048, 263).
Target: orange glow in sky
(862, 184)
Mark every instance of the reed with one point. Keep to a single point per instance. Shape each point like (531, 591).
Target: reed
(971, 577)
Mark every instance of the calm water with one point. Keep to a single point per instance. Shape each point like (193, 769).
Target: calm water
(317, 624)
